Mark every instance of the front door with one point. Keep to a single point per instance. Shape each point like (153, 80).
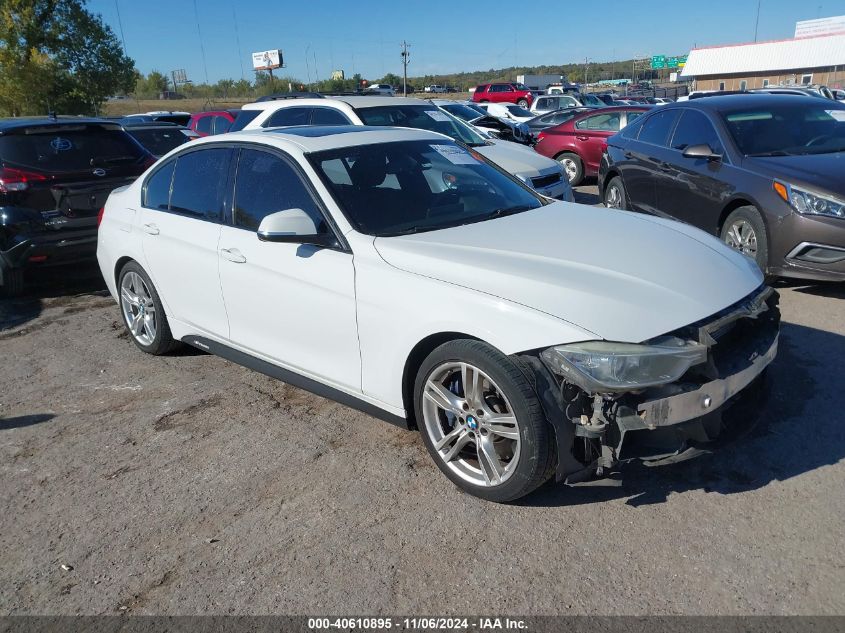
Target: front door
(290, 303)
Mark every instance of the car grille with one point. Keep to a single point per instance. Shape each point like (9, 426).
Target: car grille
(545, 181)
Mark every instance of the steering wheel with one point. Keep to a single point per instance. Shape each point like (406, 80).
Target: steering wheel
(816, 139)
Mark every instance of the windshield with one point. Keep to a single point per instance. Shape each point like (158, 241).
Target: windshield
(519, 111)
(463, 112)
(591, 100)
(66, 148)
(414, 186)
(159, 141)
(422, 117)
(795, 126)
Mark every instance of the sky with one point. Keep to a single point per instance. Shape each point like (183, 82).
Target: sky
(319, 36)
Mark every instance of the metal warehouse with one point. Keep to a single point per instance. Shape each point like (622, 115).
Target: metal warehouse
(809, 60)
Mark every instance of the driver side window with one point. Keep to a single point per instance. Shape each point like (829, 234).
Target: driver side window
(266, 184)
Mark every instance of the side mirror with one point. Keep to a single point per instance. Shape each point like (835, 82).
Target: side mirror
(293, 226)
(701, 151)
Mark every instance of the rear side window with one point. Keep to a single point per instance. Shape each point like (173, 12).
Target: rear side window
(157, 188)
(204, 125)
(199, 183)
(695, 128)
(265, 184)
(221, 125)
(328, 116)
(656, 128)
(242, 119)
(606, 122)
(70, 148)
(481, 88)
(289, 116)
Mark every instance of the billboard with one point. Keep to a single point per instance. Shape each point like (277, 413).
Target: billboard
(267, 60)
(822, 26)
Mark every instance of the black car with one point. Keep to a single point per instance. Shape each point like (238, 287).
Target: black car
(764, 172)
(550, 119)
(159, 138)
(55, 176)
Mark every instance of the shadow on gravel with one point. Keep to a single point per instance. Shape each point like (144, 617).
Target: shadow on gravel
(799, 431)
(833, 290)
(24, 420)
(48, 284)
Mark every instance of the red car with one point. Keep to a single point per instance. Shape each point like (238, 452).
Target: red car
(579, 142)
(503, 93)
(212, 122)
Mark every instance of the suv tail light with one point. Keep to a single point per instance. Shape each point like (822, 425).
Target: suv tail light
(100, 216)
(541, 136)
(17, 179)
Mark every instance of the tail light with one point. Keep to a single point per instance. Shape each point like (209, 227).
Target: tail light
(100, 216)
(541, 136)
(17, 179)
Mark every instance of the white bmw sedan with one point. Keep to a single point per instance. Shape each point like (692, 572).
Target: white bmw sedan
(400, 273)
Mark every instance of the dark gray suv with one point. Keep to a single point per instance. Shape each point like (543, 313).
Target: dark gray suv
(764, 172)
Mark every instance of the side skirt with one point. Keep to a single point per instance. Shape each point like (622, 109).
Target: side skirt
(292, 378)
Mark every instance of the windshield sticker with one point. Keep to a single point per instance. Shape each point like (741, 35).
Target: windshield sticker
(455, 155)
(437, 115)
(61, 144)
(837, 115)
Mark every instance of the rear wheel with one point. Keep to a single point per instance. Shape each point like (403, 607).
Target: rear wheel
(143, 312)
(523, 103)
(482, 422)
(745, 232)
(12, 282)
(614, 194)
(573, 166)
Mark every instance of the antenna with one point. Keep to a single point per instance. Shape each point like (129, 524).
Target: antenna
(406, 59)
(120, 24)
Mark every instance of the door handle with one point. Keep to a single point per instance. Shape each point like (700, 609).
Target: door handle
(629, 155)
(152, 229)
(233, 255)
(582, 138)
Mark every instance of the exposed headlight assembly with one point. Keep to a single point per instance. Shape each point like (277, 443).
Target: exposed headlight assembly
(808, 203)
(601, 366)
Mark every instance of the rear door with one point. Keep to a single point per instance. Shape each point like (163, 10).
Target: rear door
(182, 210)
(591, 134)
(646, 169)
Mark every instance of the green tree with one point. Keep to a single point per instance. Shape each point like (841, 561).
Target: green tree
(56, 55)
(148, 87)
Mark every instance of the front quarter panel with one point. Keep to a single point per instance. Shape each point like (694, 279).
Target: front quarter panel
(398, 309)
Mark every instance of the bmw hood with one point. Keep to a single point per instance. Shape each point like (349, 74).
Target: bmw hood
(622, 276)
(518, 159)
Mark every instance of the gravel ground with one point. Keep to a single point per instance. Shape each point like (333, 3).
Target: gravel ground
(187, 484)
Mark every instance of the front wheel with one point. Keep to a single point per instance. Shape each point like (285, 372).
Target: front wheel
(745, 232)
(481, 421)
(13, 282)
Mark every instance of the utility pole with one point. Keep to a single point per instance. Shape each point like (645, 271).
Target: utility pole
(406, 58)
(585, 72)
(757, 21)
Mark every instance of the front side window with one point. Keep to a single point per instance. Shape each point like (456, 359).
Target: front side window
(423, 117)
(695, 128)
(416, 186)
(606, 122)
(656, 128)
(199, 183)
(266, 184)
(157, 188)
(289, 116)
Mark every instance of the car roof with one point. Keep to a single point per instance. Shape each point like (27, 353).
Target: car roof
(315, 138)
(21, 122)
(134, 125)
(752, 99)
(354, 101)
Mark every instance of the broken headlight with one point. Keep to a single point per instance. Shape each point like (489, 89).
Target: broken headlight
(601, 366)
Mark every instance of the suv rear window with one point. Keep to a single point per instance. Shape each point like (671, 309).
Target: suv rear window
(63, 148)
(242, 119)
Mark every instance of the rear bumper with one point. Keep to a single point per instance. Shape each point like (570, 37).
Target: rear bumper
(52, 249)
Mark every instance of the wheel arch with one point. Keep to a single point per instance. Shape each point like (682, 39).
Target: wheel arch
(733, 205)
(121, 262)
(613, 172)
(415, 358)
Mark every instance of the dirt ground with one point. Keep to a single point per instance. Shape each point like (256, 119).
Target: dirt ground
(187, 484)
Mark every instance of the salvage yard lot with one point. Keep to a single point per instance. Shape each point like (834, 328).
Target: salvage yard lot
(188, 484)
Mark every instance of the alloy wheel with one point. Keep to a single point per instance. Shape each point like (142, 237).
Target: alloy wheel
(613, 198)
(741, 237)
(570, 168)
(138, 307)
(471, 424)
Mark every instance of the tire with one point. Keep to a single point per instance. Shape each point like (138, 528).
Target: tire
(521, 462)
(153, 336)
(523, 103)
(573, 166)
(484, 101)
(13, 283)
(615, 196)
(745, 231)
